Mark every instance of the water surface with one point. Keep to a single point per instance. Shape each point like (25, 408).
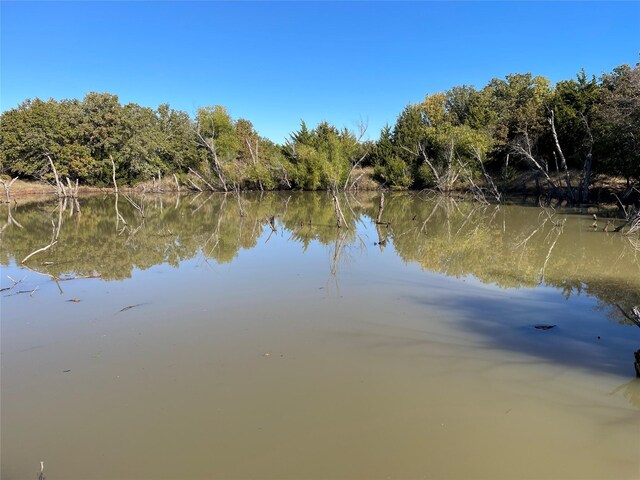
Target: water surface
(400, 349)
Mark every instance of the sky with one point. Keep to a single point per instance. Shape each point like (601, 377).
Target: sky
(276, 63)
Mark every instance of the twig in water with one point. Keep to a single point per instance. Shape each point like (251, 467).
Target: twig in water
(133, 306)
(12, 286)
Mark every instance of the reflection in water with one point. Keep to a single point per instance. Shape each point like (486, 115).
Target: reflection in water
(631, 391)
(240, 353)
(509, 246)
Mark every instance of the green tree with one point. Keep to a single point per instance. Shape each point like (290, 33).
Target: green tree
(219, 144)
(617, 123)
(322, 157)
(37, 129)
(178, 148)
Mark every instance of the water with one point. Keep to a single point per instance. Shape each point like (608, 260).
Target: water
(399, 350)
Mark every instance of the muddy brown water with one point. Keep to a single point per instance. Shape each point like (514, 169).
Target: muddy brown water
(401, 350)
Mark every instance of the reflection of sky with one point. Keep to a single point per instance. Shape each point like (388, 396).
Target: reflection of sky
(505, 318)
(281, 270)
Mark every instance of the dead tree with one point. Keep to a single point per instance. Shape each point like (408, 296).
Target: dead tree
(236, 189)
(523, 148)
(72, 189)
(59, 186)
(635, 224)
(382, 234)
(113, 172)
(157, 183)
(211, 187)
(61, 190)
(210, 145)
(7, 187)
(119, 217)
(285, 177)
(474, 188)
(254, 158)
(634, 317)
(563, 161)
(54, 239)
(631, 216)
(340, 220)
(10, 220)
(445, 180)
(493, 189)
(553, 244)
(139, 207)
(586, 169)
(380, 209)
(505, 171)
(356, 164)
(196, 187)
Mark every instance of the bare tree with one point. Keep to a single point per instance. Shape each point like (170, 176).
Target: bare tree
(54, 240)
(254, 158)
(362, 127)
(113, 173)
(474, 188)
(61, 190)
(204, 181)
(340, 220)
(7, 187)
(493, 189)
(563, 161)
(210, 145)
(522, 147)
(586, 169)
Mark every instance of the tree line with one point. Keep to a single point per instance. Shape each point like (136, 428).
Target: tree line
(464, 137)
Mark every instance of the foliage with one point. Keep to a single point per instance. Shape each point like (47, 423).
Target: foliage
(618, 123)
(321, 158)
(439, 142)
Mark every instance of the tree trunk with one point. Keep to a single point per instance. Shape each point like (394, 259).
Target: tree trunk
(380, 209)
(586, 181)
(7, 188)
(113, 171)
(59, 187)
(563, 162)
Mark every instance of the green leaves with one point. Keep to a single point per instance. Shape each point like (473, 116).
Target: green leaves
(322, 157)
(617, 123)
(445, 132)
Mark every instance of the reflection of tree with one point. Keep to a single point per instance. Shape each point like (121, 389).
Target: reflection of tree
(510, 246)
(89, 243)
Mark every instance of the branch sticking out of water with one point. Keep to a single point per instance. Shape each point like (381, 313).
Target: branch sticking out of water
(340, 220)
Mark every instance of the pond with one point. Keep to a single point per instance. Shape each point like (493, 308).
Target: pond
(213, 336)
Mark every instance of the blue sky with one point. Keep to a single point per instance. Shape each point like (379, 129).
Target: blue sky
(277, 63)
